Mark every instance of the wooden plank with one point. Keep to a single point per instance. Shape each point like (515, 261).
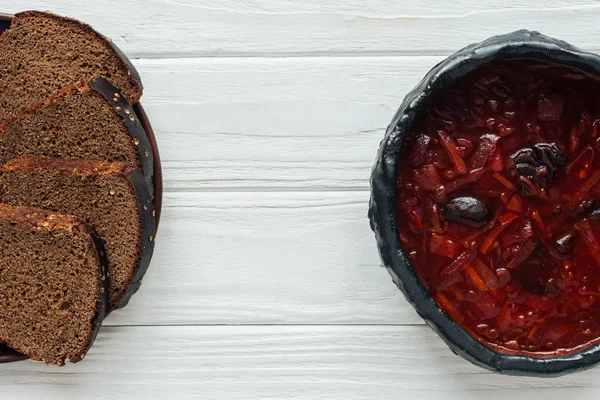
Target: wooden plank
(241, 362)
(167, 28)
(266, 258)
(294, 123)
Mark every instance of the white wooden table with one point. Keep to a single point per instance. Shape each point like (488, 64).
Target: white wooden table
(265, 283)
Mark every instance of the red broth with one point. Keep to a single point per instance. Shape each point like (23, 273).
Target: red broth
(499, 206)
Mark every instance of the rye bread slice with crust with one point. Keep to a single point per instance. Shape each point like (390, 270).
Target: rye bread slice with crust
(53, 286)
(90, 121)
(42, 53)
(112, 197)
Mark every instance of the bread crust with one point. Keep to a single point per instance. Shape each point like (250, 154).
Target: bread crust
(132, 122)
(134, 77)
(148, 222)
(51, 221)
(115, 100)
(138, 184)
(102, 303)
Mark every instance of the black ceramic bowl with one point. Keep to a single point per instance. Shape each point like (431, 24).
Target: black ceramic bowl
(382, 211)
(9, 355)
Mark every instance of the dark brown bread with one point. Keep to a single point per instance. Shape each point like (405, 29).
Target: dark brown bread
(43, 53)
(52, 284)
(112, 197)
(85, 121)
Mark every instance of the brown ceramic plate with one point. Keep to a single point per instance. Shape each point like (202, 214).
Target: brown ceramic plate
(7, 354)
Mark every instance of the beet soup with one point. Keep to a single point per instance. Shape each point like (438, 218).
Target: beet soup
(498, 206)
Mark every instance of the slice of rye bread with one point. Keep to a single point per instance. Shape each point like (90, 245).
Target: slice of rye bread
(53, 286)
(42, 53)
(89, 121)
(112, 197)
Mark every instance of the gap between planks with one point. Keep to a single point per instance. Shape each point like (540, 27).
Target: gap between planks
(304, 55)
(262, 324)
(268, 189)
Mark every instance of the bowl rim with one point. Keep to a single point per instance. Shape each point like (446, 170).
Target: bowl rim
(520, 44)
(6, 353)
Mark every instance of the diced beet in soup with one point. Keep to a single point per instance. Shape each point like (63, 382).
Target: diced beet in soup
(499, 206)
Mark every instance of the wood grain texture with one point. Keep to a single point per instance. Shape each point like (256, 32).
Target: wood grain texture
(304, 362)
(266, 258)
(290, 123)
(175, 28)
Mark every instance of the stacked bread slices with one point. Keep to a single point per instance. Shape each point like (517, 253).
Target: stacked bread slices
(77, 222)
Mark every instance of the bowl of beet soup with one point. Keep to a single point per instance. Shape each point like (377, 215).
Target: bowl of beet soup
(485, 203)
